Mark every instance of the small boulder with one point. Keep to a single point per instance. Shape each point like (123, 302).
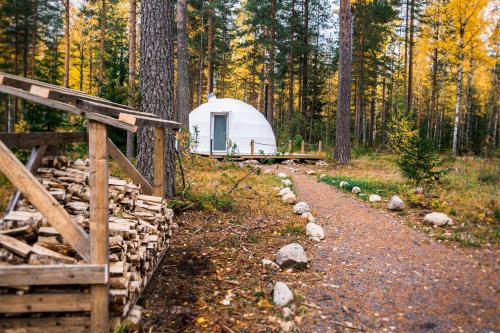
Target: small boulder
(322, 176)
(314, 230)
(321, 163)
(308, 217)
(419, 190)
(286, 182)
(284, 191)
(282, 294)
(301, 208)
(266, 263)
(251, 162)
(289, 198)
(291, 255)
(310, 172)
(268, 171)
(374, 198)
(395, 203)
(356, 190)
(282, 175)
(343, 184)
(438, 219)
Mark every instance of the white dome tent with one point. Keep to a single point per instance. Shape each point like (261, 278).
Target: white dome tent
(220, 123)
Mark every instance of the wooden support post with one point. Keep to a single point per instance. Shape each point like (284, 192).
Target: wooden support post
(290, 147)
(320, 147)
(252, 146)
(98, 181)
(159, 162)
(302, 147)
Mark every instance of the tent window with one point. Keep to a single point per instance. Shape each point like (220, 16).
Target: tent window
(220, 132)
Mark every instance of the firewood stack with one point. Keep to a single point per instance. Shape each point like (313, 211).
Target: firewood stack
(139, 229)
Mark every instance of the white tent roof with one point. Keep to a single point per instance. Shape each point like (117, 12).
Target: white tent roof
(244, 124)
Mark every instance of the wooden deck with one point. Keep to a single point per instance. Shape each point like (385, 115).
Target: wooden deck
(280, 157)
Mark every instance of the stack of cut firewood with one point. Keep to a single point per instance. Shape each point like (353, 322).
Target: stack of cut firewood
(139, 229)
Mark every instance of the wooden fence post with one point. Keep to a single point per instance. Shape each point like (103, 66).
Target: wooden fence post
(290, 147)
(320, 147)
(252, 147)
(302, 147)
(99, 233)
(159, 162)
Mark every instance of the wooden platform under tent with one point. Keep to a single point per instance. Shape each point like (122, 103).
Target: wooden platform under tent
(85, 308)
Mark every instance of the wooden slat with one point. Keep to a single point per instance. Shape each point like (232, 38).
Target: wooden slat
(159, 162)
(71, 324)
(18, 247)
(128, 167)
(33, 162)
(69, 302)
(99, 246)
(31, 275)
(141, 120)
(67, 107)
(109, 109)
(45, 203)
(28, 140)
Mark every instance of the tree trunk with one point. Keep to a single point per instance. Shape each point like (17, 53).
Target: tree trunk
(34, 38)
(210, 42)
(342, 152)
(102, 52)
(410, 60)
(373, 116)
(305, 59)
(156, 86)
(383, 115)
(132, 64)
(290, 69)
(270, 104)
(458, 100)
(359, 92)
(182, 65)
(67, 43)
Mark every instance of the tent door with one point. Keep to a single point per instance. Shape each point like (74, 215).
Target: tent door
(220, 132)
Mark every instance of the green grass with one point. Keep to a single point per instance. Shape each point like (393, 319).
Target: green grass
(367, 186)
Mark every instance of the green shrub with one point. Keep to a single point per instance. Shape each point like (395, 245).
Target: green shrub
(488, 177)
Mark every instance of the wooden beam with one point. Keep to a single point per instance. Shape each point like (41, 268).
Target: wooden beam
(99, 210)
(129, 168)
(18, 247)
(62, 302)
(141, 120)
(252, 147)
(46, 325)
(33, 139)
(33, 162)
(66, 107)
(110, 110)
(45, 203)
(33, 275)
(159, 162)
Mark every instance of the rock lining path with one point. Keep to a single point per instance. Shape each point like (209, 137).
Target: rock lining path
(383, 276)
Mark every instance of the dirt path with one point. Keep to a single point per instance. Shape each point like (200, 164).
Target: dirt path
(383, 276)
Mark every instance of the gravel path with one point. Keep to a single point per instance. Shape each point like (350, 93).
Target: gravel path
(383, 276)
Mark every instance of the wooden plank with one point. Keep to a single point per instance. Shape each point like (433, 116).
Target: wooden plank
(32, 164)
(99, 243)
(110, 109)
(18, 247)
(70, 302)
(128, 167)
(159, 162)
(39, 197)
(141, 120)
(66, 107)
(28, 140)
(66, 324)
(35, 275)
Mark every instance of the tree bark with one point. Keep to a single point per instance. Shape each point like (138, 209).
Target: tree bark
(358, 126)
(67, 43)
(102, 52)
(270, 103)
(156, 86)
(373, 117)
(305, 60)
(132, 65)
(342, 152)
(290, 68)
(210, 43)
(182, 65)
(410, 60)
(458, 100)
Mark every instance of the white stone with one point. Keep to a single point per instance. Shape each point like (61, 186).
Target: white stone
(438, 219)
(284, 191)
(343, 184)
(310, 172)
(287, 312)
(301, 208)
(282, 294)
(308, 217)
(269, 263)
(419, 190)
(248, 162)
(322, 176)
(321, 163)
(291, 255)
(356, 190)
(268, 171)
(289, 198)
(286, 182)
(282, 175)
(374, 198)
(314, 230)
(395, 203)
(315, 239)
